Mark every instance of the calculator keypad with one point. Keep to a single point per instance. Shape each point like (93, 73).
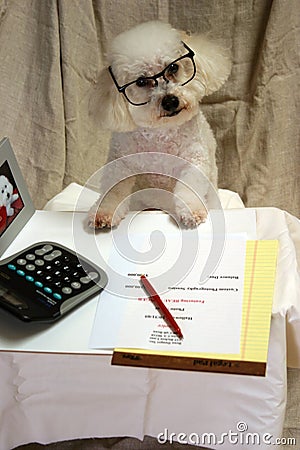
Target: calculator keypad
(46, 280)
(58, 273)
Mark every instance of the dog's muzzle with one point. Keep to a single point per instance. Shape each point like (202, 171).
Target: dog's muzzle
(170, 103)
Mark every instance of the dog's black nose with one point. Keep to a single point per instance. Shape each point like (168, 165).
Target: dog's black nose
(170, 103)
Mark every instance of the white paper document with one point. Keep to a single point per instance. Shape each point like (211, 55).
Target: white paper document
(209, 313)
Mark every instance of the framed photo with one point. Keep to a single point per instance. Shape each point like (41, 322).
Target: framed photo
(16, 206)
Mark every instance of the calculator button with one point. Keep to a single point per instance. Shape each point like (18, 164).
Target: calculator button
(85, 280)
(11, 266)
(66, 290)
(21, 273)
(41, 251)
(38, 284)
(53, 255)
(39, 262)
(76, 285)
(30, 267)
(48, 290)
(93, 275)
(76, 274)
(57, 296)
(21, 261)
(29, 278)
(30, 256)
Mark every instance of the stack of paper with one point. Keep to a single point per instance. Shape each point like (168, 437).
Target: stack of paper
(225, 320)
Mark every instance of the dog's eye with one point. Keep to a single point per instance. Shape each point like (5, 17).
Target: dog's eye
(2, 191)
(144, 83)
(172, 69)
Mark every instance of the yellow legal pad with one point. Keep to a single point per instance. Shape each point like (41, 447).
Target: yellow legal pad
(259, 280)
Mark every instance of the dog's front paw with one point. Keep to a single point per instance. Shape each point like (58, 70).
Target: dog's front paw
(101, 218)
(191, 219)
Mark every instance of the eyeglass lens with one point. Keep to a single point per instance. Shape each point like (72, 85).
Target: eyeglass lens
(178, 72)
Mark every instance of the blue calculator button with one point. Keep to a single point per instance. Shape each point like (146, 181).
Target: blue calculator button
(29, 278)
(57, 296)
(21, 273)
(38, 284)
(11, 266)
(48, 290)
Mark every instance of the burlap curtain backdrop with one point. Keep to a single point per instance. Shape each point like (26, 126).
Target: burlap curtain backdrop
(51, 53)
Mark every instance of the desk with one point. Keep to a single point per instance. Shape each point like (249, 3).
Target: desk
(48, 397)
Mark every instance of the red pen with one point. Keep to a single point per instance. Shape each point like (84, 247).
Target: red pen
(155, 298)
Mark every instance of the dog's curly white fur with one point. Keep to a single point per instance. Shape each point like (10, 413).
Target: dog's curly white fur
(182, 131)
(7, 197)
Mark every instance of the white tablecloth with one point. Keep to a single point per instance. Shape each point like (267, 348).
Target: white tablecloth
(53, 397)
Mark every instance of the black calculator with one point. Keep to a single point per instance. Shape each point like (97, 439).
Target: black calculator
(46, 280)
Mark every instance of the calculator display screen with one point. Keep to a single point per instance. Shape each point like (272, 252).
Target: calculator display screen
(11, 298)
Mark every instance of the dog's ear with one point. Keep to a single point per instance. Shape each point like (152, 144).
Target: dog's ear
(108, 106)
(212, 61)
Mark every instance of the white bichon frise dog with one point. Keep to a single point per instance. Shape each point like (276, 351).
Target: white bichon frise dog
(149, 97)
(6, 195)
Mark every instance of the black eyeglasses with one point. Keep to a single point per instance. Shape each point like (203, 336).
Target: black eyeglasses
(181, 71)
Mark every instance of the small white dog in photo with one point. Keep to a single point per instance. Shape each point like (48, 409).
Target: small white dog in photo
(6, 195)
(149, 96)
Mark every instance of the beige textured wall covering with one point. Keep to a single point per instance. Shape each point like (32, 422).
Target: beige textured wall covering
(51, 52)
